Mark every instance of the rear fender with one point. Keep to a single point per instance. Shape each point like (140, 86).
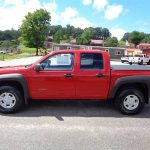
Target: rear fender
(130, 80)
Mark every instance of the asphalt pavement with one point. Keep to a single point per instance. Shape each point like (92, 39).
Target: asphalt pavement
(74, 125)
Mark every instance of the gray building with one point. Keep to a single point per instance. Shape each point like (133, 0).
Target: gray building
(114, 52)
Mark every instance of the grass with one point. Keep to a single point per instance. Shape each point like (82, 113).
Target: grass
(28, 50)
(24, 52)
(13, 56)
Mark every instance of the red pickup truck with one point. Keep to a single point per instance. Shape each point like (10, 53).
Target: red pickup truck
(75, 74)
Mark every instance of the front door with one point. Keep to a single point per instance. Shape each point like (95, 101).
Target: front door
(56, 80)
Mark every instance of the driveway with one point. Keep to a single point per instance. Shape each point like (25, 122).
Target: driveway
(21, 61)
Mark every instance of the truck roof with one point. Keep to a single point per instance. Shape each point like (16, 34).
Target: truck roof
(80, 50)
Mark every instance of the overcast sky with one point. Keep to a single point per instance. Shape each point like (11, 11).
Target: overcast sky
(119, 16)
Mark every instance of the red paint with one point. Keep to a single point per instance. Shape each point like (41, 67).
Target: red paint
(83, 85)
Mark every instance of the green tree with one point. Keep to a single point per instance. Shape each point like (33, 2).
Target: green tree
(8, 44)
(97, 33)
(121, 43)
(125, 37)
(77, 32)
(58, 36)
(136, 37)
(86, 36)
(146, 38)
(54, 29)
(35, 28)
(105, 33)
(111, 42)
(9, 35)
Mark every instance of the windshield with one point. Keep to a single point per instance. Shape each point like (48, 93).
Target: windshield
(137, 55)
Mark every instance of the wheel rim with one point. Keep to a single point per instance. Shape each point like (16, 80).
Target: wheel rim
(7, 100)
(131, 102)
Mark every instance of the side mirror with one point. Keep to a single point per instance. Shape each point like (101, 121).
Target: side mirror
(38, 67)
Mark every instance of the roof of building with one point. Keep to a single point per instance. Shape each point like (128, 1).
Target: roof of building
(73, 41)
(98, 47)
(97, 41)
(144, 44)
(133, 49)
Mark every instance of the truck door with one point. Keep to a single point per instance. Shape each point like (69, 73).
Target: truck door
(56, 80)
(92, 77)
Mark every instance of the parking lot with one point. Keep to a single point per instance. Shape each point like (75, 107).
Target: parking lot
(73, 125)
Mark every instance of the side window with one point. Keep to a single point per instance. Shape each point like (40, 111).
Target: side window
(117, 52)
(59, 62)
(91, 61)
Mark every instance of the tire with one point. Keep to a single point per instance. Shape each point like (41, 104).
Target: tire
(148, 63)
(122, 61)
(130, 101)
(130, 63)
(141, 63)
(10, 99)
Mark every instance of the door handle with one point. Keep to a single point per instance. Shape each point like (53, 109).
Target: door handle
(100, 75)
(68, 75)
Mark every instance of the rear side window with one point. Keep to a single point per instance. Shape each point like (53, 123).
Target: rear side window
(91, 61)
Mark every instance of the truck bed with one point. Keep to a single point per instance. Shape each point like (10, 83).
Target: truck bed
(130, 67)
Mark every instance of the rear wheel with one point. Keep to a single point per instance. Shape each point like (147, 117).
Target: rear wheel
(10, 99)
(141, 63)
(130, 101)
(148, 63)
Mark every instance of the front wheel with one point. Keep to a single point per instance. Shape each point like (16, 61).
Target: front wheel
(130, 63)
(10, 99)
(130, 101)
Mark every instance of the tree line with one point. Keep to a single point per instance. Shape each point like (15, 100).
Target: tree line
(83, 37)
(9, 38)
(36, 27)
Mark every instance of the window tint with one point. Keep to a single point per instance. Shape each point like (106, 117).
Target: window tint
(59, 62)
(91, 61)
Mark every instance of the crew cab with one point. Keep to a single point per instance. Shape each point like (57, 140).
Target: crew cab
(139, 59)
(75, 74)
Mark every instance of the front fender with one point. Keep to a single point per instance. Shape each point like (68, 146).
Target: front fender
(19, 79)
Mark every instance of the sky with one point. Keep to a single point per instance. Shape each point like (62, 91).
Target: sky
(119, 16)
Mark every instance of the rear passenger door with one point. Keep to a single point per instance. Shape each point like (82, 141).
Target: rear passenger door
(92, 80)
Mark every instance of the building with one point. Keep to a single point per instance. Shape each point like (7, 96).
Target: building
(132, 51)
(73, 42)
(114, 52)
(48, 42)
(97, 42)
(145, 47)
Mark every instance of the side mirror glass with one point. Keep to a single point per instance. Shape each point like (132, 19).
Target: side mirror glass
(38, 67)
